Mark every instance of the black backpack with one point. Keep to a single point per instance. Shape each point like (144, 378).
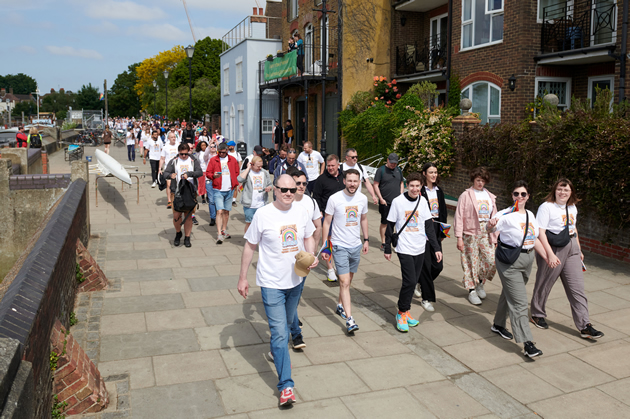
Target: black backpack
(185, 197)
(36, 141)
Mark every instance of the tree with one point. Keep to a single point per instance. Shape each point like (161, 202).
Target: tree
(206, 63)
(88, 98)
(151, 69)
(122, 98)
(29, 107)
(58, 102)
(22, 84)
(206, 99)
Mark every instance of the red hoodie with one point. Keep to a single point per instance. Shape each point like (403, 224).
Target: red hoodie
(214, 165)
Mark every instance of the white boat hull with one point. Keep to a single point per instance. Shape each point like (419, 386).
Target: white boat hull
(109, 165)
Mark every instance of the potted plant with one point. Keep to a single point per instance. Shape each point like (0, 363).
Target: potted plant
(280, 53)
(269, 57)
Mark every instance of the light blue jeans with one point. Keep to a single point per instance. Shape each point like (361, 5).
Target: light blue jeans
(281, 311)
(210, 193)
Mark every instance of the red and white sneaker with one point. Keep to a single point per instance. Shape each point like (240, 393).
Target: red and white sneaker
(287, 397)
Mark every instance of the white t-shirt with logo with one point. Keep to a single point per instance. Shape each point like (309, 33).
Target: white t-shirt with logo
(412, 241)
(434, 205)
(154, 147)
(280, 236)
(311, 162)
(511, 227)
(258, 181)
(184, 166)
(552, 217)
(363, 173)
(309, 205)
(346, 224)
(484, 205)
(130, 138)
(226, 182)
(169, 152)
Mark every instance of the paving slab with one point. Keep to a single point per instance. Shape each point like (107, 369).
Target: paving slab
(610, 357)
(122, 324)
(146, 303)
(309, 381)
(244, 360)
(587, 403)
(168, 286)
(142, 275)
(188, 367)
(140, 371)
(620, 390)
(394, 371)
(379, 343)
(395, 403)
(521, 384)
(445, 400)
(206, 283)
(117, 347)
(186, 318)
(227, 335)
(208, 298)
(345, 349)
(320, 409)
(249, 392)
(567, 372)
(234, 313)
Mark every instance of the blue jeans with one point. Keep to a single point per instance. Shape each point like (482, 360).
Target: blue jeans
(211, 206)
(281, 311)
(131, 152)
(295, 326)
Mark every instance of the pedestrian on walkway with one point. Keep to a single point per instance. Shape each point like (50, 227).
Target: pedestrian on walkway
(557, 218)
(388, 184)
(326, 186)
(188, 134)
(431, 267)
(107, 139)
(183, 168)
(256, 185)
(280, 231)
(288, 133)
(518, 231)
(291, 161)
(200, 150)
(314, 164)
(475, 206)
(21, 138)
(279, 159)
(169, 152)
(257, 151)
(346, 214)
(352, 163)
(409, 215)
(131, 144)
(153, 150)
(223, 169)
(211, 151)
(276, 136)
(232, 152)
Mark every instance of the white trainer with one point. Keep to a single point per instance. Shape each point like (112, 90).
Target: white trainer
(417, 292)
(480, 291)
(474, 298)
(331, 275)
(154, 185)
(427, 305)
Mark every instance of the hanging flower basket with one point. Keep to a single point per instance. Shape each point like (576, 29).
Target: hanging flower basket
(280, 54)
(269, 57)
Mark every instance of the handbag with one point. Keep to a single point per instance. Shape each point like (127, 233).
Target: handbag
(395, 235)
(508, 254)
(561, 239)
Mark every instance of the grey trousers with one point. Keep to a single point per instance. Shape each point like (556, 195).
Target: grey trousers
(513, 299)
(570, 272)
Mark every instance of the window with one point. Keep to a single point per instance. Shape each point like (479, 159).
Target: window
(482, 22)
(559, 86)
(239, 77)
(308, 48)
(241, 123)
(486, 101)
(557, 9)
(292, 6)
(600, 83)
(231, 133)
(267, 126)
(226, 130)
(324, 54)
(226, 80)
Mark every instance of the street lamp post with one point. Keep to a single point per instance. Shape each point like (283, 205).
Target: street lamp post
(154, 98)
(166, 78)
(190, 50)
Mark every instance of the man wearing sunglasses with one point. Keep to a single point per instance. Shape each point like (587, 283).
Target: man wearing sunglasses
(291, 161)
(388, 184)
(223, 169)
(280, 230)
(352, 163)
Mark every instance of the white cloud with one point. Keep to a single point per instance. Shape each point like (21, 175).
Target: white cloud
(27, 49)
(212, 32)
(74, 52)
(163, 31)
(104, 27)
(124, 10)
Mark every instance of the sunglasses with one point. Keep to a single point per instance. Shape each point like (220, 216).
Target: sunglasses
(353, 157)
(515, 194)
(301, 183)
(285, 190)
(183, 154)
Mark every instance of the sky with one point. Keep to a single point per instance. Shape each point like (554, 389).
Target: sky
(69, 43)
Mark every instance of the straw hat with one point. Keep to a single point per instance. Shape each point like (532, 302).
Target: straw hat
(302, 261)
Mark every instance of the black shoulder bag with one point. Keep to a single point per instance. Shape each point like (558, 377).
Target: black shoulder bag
(396, 234)
(508, 254)
(563, 238)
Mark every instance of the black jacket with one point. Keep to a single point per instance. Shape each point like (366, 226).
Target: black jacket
(442, 213)
(188, 136)
(195, 173)
(325, 186)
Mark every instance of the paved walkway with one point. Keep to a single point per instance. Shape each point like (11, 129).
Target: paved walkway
(193, 348)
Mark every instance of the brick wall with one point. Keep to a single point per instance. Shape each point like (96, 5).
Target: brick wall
(274, 26)
(20, 182)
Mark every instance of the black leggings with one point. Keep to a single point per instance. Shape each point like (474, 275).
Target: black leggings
(155, 165)
(410, 266)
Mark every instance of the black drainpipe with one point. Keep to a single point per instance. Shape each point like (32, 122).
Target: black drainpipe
(624, 51)
(449, 29)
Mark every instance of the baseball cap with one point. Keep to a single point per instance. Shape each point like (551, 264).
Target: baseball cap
(302, 261)
(231, 144)
(393, 158)
(258, 149)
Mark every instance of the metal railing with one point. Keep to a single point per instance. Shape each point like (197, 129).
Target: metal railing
(314, 55)
(256, 26)
(419, 57)
(575, 25)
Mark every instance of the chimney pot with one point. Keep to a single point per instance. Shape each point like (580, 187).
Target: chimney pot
(255, 11)
(260, 11)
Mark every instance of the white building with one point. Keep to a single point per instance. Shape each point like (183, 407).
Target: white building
(241, 103)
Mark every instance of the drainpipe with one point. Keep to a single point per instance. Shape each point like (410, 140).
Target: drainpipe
(624, 51)
(449, 29)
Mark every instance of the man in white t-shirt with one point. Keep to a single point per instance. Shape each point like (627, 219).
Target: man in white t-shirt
(412, 240)
(131, 145)
(346, 213)
(280, 230)
(223, 169)
(314, 164)
(169, 152)
(352, 163)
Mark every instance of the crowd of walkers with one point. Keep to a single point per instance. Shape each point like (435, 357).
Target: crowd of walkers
(318, 209)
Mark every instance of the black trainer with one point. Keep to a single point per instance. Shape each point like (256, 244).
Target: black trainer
(531, 351)
(298, 343)
(178, 237)
(589, 332)
(187, 241)
(300, 322)
(212, 222)
(195, 222)
(501, 331)
(539, 322)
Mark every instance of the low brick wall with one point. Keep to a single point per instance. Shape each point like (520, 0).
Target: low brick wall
(21, 182)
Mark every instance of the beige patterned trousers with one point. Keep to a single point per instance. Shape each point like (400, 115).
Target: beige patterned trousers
(478, 259)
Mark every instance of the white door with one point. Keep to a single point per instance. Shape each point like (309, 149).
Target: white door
(308, 49)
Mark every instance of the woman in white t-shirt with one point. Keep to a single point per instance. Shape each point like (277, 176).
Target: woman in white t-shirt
(256, 185)
(565, 260)
(517, 229)
(200, 154)
(131, 145)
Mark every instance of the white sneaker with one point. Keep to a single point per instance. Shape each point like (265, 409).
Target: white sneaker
(480, 291)
(474, 298)
(331, 275)
(154, 185)
(417, 292)
(427, 305)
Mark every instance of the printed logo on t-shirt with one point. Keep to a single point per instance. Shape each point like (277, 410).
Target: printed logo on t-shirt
(155, 147)
(352, 216)
(289, 238)
(224, 169)
(435, 207)
(258, 183)
(531, 235)
(571, 222)
(484, 210)
(412, 225)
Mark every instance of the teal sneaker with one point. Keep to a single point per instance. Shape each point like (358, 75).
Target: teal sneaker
(411, 322)
(401, 322)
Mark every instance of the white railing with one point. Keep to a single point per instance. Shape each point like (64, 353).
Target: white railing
(255, 26)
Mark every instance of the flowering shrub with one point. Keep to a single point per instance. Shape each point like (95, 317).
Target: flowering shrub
(427, 137)
(384, 91)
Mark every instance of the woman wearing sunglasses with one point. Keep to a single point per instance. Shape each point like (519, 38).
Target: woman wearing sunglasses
(518, 232)
(558, 235)
(256, 185)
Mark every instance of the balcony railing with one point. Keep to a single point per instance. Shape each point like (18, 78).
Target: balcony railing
(257, 27)
(575, 25)
(421, 57)
(315, 57)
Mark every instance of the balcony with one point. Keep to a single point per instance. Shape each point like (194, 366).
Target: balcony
(424, 57)
(578, 32)
(252, 27)
(315, 57)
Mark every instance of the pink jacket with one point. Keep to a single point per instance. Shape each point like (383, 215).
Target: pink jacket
(467, 217)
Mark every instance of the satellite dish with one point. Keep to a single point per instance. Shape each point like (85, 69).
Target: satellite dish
(109, 166)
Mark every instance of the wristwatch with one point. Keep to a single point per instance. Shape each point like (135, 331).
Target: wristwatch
(366, 240)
